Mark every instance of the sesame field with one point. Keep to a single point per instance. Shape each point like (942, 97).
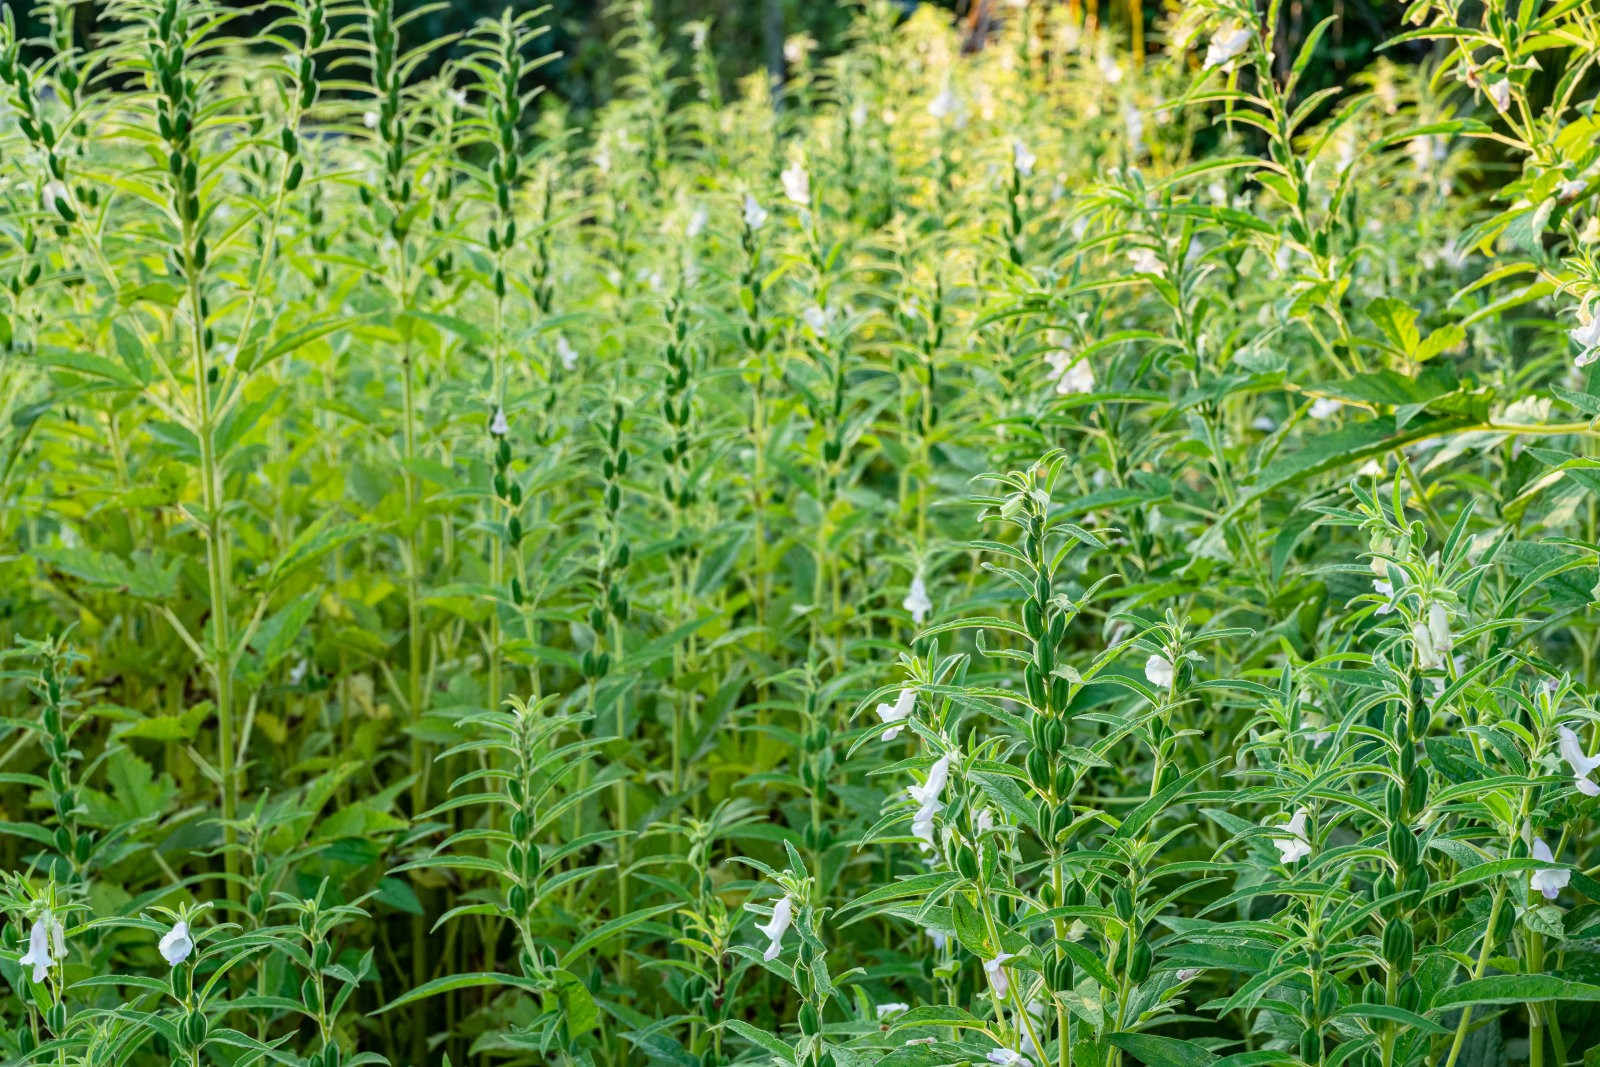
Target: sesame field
(1047, 537)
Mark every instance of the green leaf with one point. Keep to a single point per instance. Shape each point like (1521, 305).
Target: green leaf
(1163, 1051)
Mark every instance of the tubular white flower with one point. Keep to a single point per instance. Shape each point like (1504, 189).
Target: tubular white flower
(1005, 1057)
(995, 969)
(944, 105)
(1582, 766)
(38, 955)
(56, 195)
(894, 1007)
(566, 353)
(1226, 46)
(777, 926)
(916, 601)
(1550, 881)
(1324, 406)
(797, 184)
(1070, 373)
(755, 216)
(177, 944)
(1022, 158)
(1158, 670)
(927, 797)
(1500, 94)
(1291, 840)
(1586, 335)
(498, 425)
(897, 713)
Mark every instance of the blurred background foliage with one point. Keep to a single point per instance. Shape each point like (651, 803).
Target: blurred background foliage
(747, 35)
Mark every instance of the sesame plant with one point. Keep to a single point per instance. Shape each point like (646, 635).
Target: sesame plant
(1010, 544)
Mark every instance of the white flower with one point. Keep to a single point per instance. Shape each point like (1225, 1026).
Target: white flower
(498, 425)
(927, 797)
(917, 601)
(816, 318)
(1433, 639)
(1226, 46)
(1022, 158)
(177, 944)
(1500, 94)
(897, 713)
(797, 184)
(369, 119)
(1384, 589)
(755, 216)
(894, 1007)
(777, 926)
(939, 938)
(1582, 766)
(566, 353)
(1296, 845)
(1324, 406)
(1005, 1057)
(697, 223)
(1071, 374)
(944, 105)
(1144, 261)
(1110, 69)
(1569, 189)
(1158, 670)
(1550, 882)
(1587, 336)
(995, 969)
(46, 946)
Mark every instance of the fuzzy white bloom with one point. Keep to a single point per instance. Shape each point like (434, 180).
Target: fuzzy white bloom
(1550, 881)
(46, 946)
(895, 715)
(916, 601)
(816, 318)
(796, 184)
(1324, 406)
(458, 97)
(697, 223)
(1226, 46)
(1005, 1057)
(939, 938)
(498, 425)
(755, 216)
(1587, 336)
(1158, 670)
(1500, 94)
(369, 119)
(1384, 589)
(1144, 261)
(995, 969)
(1582, 766)
(945, 104)
(1433, 638)
(566, 353)
(1023, 158)
(894, 1007)
(1296, 845)
(177, 944)
(1110, 69)
(777, 926)
(1069, 373)
(927, 797)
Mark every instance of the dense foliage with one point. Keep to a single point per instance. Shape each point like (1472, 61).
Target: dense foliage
(1020, 557)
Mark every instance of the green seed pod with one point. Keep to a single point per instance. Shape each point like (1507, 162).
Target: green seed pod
(967, 863)
(1328, 1000)
(195, 1028)
(810, 1024)
(1372, 992)
(1311, 1045)
(1139, 962)
(1403, 846)
(1122, 902)
(1038, 770)
(1061, 974)
(1410, 994)
(1398, 945)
